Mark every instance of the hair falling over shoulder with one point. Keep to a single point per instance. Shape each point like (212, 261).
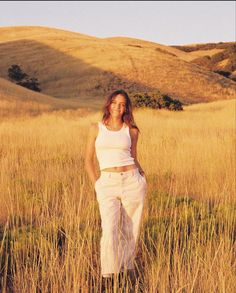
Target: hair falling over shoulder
(127, 117)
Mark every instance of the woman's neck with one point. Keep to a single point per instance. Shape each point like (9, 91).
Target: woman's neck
(116, 122)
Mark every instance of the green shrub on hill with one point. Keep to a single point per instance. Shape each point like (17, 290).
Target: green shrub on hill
(15, 73)
(155, 100)
(21, 78)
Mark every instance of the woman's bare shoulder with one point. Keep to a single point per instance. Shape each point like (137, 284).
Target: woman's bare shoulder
(133, 133)
(133, 130)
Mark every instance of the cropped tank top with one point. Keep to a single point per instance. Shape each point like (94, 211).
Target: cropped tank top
(113, 148)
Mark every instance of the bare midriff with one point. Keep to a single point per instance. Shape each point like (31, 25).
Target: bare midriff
(120, 169)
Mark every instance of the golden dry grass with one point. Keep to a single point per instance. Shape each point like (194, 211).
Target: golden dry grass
(50, 224)
(17, 101)
(200, 53)
(75, 66)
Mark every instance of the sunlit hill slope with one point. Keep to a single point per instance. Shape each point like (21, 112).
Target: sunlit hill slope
(82, 69)
(217, 57)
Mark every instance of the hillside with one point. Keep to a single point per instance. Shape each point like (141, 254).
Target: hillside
(17, 101)
(219, 57)
(76, 67)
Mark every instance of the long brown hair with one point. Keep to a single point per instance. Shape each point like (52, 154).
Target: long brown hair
(127, 116)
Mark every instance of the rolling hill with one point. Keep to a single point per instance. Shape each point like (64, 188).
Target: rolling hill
(219, 57)
(81, 69)
(17, 100)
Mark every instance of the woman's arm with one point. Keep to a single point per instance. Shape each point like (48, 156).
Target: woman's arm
(134, 141)
(90, 151)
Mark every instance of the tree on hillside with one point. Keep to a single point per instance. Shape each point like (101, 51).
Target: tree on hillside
(21, 78)
(15, 73)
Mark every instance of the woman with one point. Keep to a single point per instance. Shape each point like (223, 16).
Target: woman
(121, 187)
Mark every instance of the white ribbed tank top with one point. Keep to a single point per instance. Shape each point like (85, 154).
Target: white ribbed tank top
(113, 148)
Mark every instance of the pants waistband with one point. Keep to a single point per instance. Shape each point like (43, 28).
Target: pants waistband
(119, 174)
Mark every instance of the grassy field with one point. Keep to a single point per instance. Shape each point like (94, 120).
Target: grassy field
(49, 218)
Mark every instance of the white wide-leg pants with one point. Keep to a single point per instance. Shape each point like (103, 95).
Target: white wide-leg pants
(121, 197)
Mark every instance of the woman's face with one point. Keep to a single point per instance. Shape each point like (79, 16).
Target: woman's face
(117, 106)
